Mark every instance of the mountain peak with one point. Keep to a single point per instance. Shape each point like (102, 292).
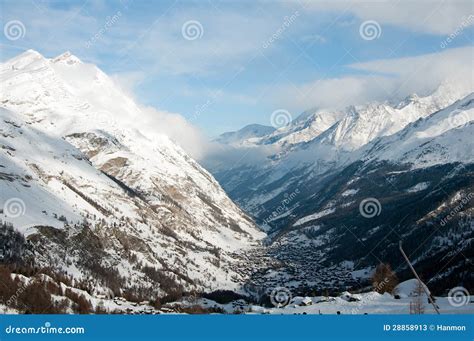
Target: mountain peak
(31, 52)
(407, 100)
(247, 132)
(67, 58)
(76, 126)
(25, 58)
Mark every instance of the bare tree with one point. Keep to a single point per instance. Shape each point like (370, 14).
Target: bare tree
(416, 305)
(384, 279)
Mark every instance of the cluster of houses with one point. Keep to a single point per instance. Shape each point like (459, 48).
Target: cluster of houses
(287, 265)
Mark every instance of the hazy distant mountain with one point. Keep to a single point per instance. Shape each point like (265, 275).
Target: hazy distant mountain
(246, 133)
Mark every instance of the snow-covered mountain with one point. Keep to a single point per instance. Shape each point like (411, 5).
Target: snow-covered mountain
(321, 140)
(248, 132)
(118, 207)
(441, 138)
(413, 163)
(98, 198)
(316, 142)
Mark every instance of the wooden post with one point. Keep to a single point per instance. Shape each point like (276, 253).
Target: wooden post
(425, 289)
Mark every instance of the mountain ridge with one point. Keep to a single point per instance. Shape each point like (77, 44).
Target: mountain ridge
(411, 163)
(127, 210)
(75, 162)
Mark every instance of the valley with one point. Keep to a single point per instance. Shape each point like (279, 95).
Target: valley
(96, 208)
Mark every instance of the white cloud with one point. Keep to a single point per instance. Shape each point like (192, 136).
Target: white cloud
(428, 16)
(176, 127)
(229, 40)
(385, 79)
(232, 37)
(389, 79)
(128, 81)
(225, 157)
(422, 74)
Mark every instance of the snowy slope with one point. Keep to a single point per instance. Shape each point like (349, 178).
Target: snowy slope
(72, 147)
(412, 160)
(304, 128)
(443, 137)
(354, 126)
(323, 140)
(248, 132)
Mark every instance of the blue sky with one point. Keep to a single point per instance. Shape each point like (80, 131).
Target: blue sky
(250, 58)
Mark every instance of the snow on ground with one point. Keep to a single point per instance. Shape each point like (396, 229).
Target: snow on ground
(347, 304)
(363, 273)
(6, 310)
(68, 159)
(349, 192)
(314, 216)
(370, 303)
(418, 187)
(408, 288)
